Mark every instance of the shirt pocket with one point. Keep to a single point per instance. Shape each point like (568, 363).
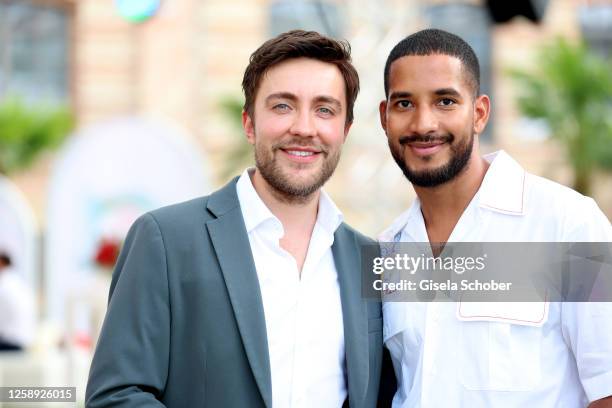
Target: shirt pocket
(502, 352)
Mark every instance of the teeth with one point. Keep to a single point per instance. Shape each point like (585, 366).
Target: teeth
(299, 153)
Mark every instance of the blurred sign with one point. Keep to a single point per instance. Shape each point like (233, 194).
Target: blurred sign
(137, 11)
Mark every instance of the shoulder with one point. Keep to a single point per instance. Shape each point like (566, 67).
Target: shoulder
(198, 210)
(187, 211)
(578, 216)
(543, 188)
(174, 220)
(347, 232)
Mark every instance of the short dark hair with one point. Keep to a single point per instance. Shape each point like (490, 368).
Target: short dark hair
(298, 44)
(434, 41)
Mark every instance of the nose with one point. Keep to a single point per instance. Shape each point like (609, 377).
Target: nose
(423, 121)
(303, 124)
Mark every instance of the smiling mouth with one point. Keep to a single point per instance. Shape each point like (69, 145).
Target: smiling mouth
(299, 153)
(296, 149)
(421, 145)
(425, 140)
(425, 145)
(425, 149)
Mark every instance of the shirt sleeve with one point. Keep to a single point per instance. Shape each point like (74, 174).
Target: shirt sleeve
(587, 223)
(587, 326)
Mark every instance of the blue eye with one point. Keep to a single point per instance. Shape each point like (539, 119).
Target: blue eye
(281, 107)
(326, 111)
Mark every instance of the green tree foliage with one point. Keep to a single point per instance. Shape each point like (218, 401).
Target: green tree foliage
(571, 90)
(26, 131)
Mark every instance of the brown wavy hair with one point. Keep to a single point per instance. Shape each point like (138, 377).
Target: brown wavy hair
(300, 44)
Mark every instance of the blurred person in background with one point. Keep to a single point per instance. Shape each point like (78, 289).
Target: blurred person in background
(251, 297)
(537, 354)
(17, 308)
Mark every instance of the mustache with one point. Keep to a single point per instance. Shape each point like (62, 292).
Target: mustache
(299, 142)
(432, 138)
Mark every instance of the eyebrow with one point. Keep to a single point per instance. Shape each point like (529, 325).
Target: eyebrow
(448, 92)
(281, 95)
(438, 92)
(398, 95)
(328, 99)
(289, 96)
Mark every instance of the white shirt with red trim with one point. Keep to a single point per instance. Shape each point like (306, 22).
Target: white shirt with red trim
(527, 354)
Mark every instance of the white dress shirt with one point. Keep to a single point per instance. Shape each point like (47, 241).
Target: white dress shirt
(558, 355)
(303, 314)
(17, 309)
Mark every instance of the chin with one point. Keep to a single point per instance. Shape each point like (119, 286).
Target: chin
(303, 174)
(431, 162)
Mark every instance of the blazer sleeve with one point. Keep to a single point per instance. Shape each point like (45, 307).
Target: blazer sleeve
(130, 364)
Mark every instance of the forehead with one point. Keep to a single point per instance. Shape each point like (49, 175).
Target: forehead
(426, 73)
(303, 77)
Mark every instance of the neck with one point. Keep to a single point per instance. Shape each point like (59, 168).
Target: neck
(443, 205)
(299, 214)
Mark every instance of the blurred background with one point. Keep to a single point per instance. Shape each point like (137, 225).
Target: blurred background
(111, 108)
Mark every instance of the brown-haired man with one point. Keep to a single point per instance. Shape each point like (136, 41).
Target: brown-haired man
(250, 297)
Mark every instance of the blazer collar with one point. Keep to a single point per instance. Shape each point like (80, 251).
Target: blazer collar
(230, 241)
(346, 257)
(224, 199)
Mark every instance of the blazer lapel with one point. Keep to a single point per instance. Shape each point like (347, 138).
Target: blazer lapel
(346, 257)
(229, 237)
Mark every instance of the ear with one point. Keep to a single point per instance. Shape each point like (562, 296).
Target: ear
(249, 127)
(482, 109)
(382, 110)
(347, 127)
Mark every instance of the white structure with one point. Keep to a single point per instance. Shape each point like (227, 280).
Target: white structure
(106, 177)
(18, 231)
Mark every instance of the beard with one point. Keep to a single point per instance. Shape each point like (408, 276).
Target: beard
(460, 156)
(285, 186)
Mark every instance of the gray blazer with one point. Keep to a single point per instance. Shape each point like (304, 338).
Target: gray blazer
(185, 323)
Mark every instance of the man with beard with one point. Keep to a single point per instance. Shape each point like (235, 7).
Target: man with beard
(550, 354)
(251, 297)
